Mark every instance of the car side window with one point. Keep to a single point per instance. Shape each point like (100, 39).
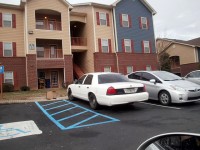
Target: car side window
(136, 76)
(147, 77)
(88, 80)
(80, 80)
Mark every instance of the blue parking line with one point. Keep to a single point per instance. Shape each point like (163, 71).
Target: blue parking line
(57, 107)
(63, 111)
(78, 124)
(52, 103)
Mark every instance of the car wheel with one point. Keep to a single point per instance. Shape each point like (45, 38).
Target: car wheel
(93, 101)
(70, 96)
(165, 98)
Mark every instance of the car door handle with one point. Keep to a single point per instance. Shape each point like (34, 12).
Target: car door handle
(87, 87)
(79, 86)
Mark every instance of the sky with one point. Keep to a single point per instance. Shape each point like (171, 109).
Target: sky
(175, 19)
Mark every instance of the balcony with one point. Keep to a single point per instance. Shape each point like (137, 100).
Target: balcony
(78, 44)
(51, 53)
(48, 25)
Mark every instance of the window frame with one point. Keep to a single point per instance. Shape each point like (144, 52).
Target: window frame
(103, 19)
(125, 46)
(3, 19)
(127, 69)
(144, 46)
(9, 78)
(123, 20)
(102, 46)
(107, 67)
(40, 51)
(149, 67)
(144, 23)
(10, 49)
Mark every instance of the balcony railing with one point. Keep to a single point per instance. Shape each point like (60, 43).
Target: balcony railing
(48, 25)
(78, 41)
(49, 54)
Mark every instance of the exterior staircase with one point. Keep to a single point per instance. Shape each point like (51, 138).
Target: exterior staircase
(77, 71)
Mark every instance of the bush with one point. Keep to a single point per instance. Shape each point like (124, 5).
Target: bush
(25, 88)
(7, 87)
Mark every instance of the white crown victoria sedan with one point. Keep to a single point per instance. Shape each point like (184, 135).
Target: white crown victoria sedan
(106, 89)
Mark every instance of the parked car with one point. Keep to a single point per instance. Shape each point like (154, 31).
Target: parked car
(106, 89)
(193, 76)
(166, 87)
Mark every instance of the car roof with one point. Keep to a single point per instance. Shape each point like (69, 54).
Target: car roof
(100, 73)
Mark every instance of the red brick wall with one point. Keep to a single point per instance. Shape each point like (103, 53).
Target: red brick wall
(18, 66)
(32, 71)
(45, 64)
(68, 68)
(104, 59)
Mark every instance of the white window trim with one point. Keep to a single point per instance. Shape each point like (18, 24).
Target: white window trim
(11, 49)
(107, 67)
(127, 67)
(9, 78)
(144, 23)
(148, 47)
(103, 19)
(148, 66)
(127, 45)
(125, 20)
(9, 20)
(102, 45)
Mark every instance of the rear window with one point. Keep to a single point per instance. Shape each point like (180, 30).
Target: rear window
(111, 78)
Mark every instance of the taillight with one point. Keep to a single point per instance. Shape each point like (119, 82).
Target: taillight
(144, 88)
(111, 91)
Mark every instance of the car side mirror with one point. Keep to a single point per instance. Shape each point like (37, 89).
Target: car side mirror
(75, 81)
(178, 141)
(153, 81)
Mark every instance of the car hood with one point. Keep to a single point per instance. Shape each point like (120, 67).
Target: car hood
(184, 84)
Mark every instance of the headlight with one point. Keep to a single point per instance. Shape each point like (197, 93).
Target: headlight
(177, 88)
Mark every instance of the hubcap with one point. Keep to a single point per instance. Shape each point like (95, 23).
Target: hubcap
(164, 98)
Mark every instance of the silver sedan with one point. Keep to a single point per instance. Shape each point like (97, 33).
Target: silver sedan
(166, 87)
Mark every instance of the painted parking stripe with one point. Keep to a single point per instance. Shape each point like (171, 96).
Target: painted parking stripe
(84, 118)
(160, 105)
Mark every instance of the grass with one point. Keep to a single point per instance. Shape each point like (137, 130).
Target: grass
(31, 95)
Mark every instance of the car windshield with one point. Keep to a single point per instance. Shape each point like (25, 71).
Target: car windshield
(111, 78)
(167, 76)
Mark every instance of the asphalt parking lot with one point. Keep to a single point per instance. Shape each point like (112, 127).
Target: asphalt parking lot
(74, 126)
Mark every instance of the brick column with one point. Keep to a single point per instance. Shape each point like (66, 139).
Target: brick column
(68, 68)
(32, 71)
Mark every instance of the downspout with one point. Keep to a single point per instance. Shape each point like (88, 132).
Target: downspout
(116, 40)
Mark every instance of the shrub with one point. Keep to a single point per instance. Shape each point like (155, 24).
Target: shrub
(7, 87)
(25, 88)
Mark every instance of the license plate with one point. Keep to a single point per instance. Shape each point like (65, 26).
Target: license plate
(130, 90)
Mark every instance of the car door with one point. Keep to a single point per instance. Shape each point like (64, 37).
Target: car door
(86, 87)
(77, 88)
(152, 88)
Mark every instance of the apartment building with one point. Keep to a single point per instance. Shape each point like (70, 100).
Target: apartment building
(45, 43)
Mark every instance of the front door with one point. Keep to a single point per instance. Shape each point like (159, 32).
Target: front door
(54, 79)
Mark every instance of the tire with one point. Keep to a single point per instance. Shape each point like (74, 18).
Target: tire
(70, 96)
(93, 102)
(165, 98)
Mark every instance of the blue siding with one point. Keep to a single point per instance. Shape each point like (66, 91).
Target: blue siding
(135, 9)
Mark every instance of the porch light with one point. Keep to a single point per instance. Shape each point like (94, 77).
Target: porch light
(45, 17)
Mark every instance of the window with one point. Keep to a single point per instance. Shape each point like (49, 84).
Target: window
(80, 81)
(129, 69)
(8, 77)
(39, 24)
(144, 23)
(103, 19)
(125, 20)
(88, 80)
(146, 46)
(104, 45)
(136, 76)
(40, 51)
(7, 49)
(107, 69)
(127, 44)
(148, 76)
(148, 67)
(7, 20)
